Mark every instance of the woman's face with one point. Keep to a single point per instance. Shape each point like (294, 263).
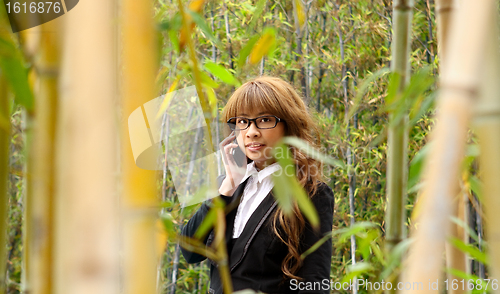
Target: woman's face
(257, 144)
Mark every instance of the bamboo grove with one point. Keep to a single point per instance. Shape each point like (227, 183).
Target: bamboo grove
(405, 94)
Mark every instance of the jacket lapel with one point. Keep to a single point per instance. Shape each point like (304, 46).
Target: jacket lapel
(253, 225)
(230, 211)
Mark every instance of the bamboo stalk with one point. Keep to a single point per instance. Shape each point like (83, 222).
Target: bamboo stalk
(349, 155)
(263, 59)
(430, 38)
(352, 162)
(41, 163)
(459, 86)
(306, 65)
(398, 134)
(321, 67)
(397, 158)
(86, 211)
(164, 137)
(299, 35)
(445, 10)
(487, 121)
(4, 173)
(139, 193)
(228, 36)
(214, 48)
(454, 257)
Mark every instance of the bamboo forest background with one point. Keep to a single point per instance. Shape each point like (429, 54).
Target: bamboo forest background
(337, 54)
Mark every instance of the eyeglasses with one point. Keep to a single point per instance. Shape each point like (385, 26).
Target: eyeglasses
(262, 122)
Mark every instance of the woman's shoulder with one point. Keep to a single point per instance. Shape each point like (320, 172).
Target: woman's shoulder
(323, 195)
(323, 188)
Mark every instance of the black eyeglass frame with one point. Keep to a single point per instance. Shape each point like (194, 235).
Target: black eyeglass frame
(254, 120)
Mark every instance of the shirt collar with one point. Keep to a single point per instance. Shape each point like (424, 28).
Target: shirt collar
(260, 175)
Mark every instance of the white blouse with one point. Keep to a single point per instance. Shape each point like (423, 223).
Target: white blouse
(257, 188)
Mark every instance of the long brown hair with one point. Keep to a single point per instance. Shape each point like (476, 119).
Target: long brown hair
(279, 98)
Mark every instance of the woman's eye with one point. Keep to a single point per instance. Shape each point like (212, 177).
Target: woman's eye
(242, 121)
(265, 119)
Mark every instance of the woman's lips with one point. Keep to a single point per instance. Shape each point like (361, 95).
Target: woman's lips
(255, 146)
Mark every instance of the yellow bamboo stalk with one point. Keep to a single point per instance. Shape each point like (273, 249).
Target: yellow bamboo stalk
(444, 13)
(139, 197)
(487, 122)
(41, 163)
(4, 172)
(454, 257)
(87, 202)
(459, 85)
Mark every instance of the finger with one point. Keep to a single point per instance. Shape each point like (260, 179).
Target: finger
(230, 147)
(229, 138)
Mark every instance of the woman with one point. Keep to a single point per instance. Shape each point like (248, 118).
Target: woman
(264, 245)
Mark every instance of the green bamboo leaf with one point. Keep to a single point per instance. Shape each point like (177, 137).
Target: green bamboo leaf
(473, 150)
(365, 242)
(222, 73)
(16, 73)
(207, 80)
(316, 245)
(395, 257)
(422, 108)
(300, 14)
(282, 193)
(417, 165)
(259, 8)
(305, 204)
(173, 24)
(200, 22)
(212, 99)
(476, 186)
(361, 91)
(264, 46)
(168, 223)
(356, 270)
(245, 51)
(346, 233)
(175, 40)
(312, 152)
(287, 188)
(466, 227)
(392, 90)
(207, 224)
(470, 249)
(168, 97)
(419, 83)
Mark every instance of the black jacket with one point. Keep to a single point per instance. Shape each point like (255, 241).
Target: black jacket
(256, 256)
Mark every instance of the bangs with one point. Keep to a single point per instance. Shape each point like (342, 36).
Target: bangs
(252, 97)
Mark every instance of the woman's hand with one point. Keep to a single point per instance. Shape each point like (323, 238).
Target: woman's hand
(234, 173)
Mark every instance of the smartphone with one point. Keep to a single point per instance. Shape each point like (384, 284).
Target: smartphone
(239, 157)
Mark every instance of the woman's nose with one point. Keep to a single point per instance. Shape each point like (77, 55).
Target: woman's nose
(252, 130)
